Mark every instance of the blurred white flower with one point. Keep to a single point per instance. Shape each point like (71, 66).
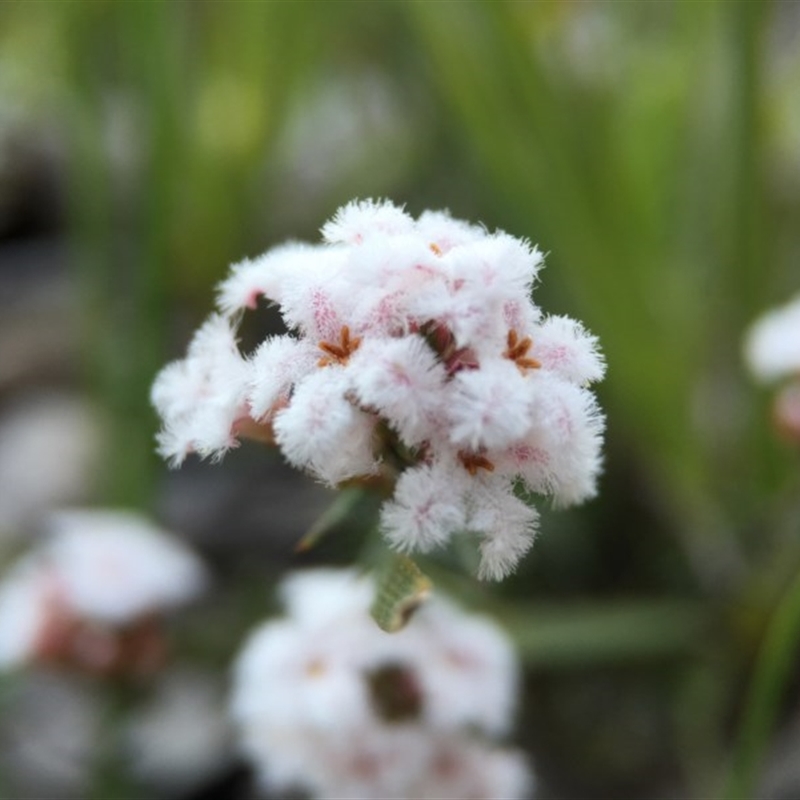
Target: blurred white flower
(772, 353)
(325, 701)
(92, 593)
(182, 736)
(415, 351)
(50, 443)
(772, 345)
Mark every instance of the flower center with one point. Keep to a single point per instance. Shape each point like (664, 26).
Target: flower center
(339, 353)
(517, 351)
(474, 461)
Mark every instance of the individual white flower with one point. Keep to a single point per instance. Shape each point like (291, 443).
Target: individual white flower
(413, 345)
(310, 291)
(772, 345)
(325, 701)
(202, 397)
(403, 381)
(91, 593)
(426, 509)
(359, 220)
(440, 229)
(563, 347)
(324, 433)
(489, 407)
(560, 455)
(277, 365)
(264, 276)
(507, 526)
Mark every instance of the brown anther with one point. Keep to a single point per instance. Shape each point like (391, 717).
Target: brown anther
(339, 353)
(517, 351)
(474, 461)
(435, 248)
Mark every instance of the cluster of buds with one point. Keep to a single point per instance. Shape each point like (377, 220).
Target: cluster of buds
(326, 702)
(772, 352)
(415, 358)
(92, 597)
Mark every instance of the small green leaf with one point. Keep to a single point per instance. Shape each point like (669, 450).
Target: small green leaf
(337, 512)
(401, 589)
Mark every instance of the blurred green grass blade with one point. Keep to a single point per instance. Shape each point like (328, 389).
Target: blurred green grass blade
(111, 354)
(586, 635)
(344, 505)
(578, 634)
(775, 666)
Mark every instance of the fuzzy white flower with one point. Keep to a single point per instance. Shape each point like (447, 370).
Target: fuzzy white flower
(772, 345)
(324, 433)
(427, 507)
(277, 365)
(264, 276)
(414, 347)
(563, 347)
(403, 381)
(489, 407)
(560, 455)
(323, 700)
(203, 396)
(99, 576)
(506, 523)
(359, 220)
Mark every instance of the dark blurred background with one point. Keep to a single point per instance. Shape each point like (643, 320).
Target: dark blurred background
(652, 150)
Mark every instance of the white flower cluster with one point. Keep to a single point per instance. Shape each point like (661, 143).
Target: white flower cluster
(89, 595)
(326, 701)
(414, 352)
